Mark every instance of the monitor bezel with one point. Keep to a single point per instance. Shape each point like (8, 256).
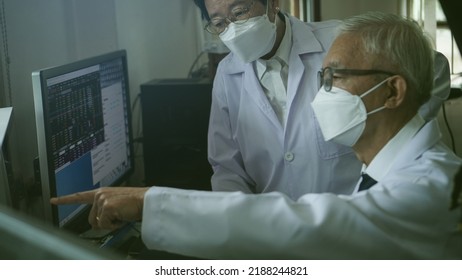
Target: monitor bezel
(47, 178)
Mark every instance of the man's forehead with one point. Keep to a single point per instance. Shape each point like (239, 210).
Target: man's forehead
(346, 51)
(333, 63)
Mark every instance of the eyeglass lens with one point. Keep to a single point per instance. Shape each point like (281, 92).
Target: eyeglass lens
(238, 15)
(325, 78)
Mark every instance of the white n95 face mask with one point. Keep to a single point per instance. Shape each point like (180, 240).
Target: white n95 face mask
(252, 39)
(342, 115)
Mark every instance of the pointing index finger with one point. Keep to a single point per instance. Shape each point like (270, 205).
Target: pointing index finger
(76, 198)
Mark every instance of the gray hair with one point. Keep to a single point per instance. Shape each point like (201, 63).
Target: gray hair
(400, 42)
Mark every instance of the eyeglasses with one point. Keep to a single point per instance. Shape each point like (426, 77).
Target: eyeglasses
(326, 75)
(239, 15)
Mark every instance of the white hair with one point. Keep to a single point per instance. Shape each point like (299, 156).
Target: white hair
(400, 42)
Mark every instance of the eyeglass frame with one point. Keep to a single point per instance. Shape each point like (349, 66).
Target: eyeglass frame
(228, 20)
(348, 72)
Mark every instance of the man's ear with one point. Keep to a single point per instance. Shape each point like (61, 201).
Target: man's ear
(397, 93)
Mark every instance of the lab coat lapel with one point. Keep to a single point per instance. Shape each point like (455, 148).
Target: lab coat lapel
(251, 87)
(304, 42)
(254, 89)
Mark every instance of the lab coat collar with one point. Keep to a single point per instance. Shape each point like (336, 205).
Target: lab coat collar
(385, 158)
(428, 136)
(305, 41)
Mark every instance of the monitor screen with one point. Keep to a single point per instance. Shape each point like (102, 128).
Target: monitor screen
(83, 123)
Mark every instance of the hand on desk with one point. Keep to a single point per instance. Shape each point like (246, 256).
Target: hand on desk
(111, 208)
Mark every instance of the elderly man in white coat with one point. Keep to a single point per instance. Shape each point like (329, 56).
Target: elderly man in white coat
(375, 77)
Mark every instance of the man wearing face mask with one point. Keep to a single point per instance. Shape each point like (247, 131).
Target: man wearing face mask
(263, 136)
(374, 78)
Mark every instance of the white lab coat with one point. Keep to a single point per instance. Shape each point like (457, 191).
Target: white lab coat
(249, 149)
(405, 215)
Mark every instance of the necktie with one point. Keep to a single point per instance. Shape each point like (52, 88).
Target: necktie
(275, 88)
(366, 182)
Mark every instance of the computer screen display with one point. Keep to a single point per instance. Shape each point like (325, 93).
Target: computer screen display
(83, 129)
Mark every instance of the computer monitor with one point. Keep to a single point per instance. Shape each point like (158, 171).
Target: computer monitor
(84, 133)
(5, 170)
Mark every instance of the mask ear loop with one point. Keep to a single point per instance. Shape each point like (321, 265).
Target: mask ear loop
(374, 87)
(371, 90)
(376, 110)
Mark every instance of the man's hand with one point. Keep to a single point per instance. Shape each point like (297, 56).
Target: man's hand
(111, 206)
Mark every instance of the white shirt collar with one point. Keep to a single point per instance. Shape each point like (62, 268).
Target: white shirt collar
(282, 53)
(383, 161)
